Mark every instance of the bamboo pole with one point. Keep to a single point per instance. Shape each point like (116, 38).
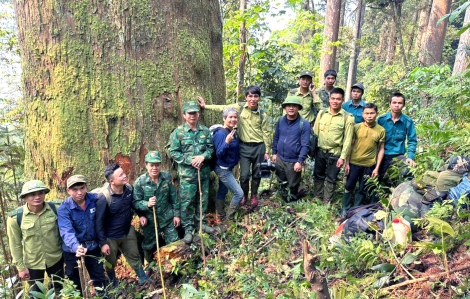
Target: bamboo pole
(200, 219)
(158, 252)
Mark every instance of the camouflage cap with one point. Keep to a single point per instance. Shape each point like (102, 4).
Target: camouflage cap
(306, 73)
(75, 179)
(33, 186)
(458, 163)
(292, 100)
(190, 106)
(153, 157)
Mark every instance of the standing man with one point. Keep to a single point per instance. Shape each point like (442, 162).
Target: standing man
(399, 129)
(290, 147)
(34, 239)
(155, 189)
(334, 128)
(324, 91)
(77, 229)
(191, 147)
(255, 140)
(365, 158)
(308, 98)
(113, 223)
(355, 106)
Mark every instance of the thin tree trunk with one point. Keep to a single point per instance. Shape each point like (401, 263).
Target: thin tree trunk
(435, 34)
(412, 33)
(461, 59)
(306, 5)
(242, 60)
(341, 24)
(423, 24)
(355, 47)
(381, 53)
(392, 43)
(332, 20)
(396, 7)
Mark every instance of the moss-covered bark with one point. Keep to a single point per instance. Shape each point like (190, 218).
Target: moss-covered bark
(105, 80)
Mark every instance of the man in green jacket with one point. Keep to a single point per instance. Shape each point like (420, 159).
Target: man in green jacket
(325, 91)
(308, 98)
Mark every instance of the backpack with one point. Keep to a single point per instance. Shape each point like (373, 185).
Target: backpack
(19, 211)
(313, 140)
(358, 219)
(462, 189)
(104, 190)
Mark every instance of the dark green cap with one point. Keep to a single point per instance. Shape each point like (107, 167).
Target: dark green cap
(306, 73)
(292, 100)
(75, 179)
(33, 186)
(153, 157)
(190, 106)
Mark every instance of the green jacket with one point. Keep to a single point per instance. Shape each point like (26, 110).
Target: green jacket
(324, 96)
(307, 112)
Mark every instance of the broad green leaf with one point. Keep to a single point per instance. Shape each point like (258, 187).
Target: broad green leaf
(384, 268)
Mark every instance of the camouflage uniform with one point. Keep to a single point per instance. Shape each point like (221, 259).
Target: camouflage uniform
(324, 95)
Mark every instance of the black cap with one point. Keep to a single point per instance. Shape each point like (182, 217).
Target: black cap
(306, 73)
(358, 85)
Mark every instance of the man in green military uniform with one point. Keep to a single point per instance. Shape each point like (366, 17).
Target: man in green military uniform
(324, 91)
(308, 98)
(154, 189)
(34, 239)
(191, 147)
(334, 128)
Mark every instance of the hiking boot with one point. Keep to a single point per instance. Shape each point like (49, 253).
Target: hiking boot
(232, 209)
(188, 238)
(207, 229)
(360, 198)
(254, 201)
(220, 208)
(243, 202)
(143, 277)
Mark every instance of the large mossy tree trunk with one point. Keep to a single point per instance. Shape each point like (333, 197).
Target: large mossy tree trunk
(105, 81)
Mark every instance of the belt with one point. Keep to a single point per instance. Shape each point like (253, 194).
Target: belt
(250, 143)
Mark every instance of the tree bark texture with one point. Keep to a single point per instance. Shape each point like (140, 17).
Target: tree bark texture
(355, 48)
(423, 24)
(313, 275)
(396, 7)
(461, 59)
(412, 33)
(435, 34)
(392, 44)
(242, 59)
(340, 33)
(332, 20)
(105, 81)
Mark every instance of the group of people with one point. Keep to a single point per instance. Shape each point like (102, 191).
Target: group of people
(89, 224)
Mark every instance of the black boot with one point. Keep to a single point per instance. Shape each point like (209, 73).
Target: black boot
(346, 203)
(220, 208)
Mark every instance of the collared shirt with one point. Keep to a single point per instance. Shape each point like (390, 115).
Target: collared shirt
(36, 245)
(397, 134)
(113, 221)
(324, 96)
(309, 111)
(356, 111)
(250, 126)
(365, 148)
(334, 132)
(76, 225)
(228, 154)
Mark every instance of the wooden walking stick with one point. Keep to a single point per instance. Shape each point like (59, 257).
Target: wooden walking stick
(200, 219)
(158, 251)
(82, 275)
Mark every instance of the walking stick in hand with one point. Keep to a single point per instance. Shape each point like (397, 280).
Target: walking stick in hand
(158, 251)
(200, 219)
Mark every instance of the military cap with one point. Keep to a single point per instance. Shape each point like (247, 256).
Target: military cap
(190, 106)
(33, 186)
(75, 179)
(306, 73)
(358, 85)
(292, 100)
(153, 157)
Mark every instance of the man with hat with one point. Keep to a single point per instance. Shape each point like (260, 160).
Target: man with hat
(290, 147)
(355, 106)
(308, 98)
(34, 239)
(191, 147)
(77, 229)
(324, 91)
(154, 189)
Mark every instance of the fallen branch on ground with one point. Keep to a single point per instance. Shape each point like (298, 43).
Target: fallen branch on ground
(274, 238)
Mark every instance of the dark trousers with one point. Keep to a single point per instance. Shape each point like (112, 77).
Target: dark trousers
(399, 161)
(289, 180)
(94, 268)
(325, 167)
(55, 272)
(358, 173)
(251, 156)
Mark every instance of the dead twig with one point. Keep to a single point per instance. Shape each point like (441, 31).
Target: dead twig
(274, 238)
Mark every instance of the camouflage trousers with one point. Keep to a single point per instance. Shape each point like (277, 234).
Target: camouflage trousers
(169, 232)
(189, 195)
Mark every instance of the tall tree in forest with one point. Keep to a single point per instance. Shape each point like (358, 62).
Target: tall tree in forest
(242, 59)
(431, 52)
(462, 58)
(332, 20)
(392, 44)
(423, 23)
(355, 47)
(105, 80)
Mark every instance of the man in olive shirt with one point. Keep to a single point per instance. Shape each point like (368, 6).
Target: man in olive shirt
(308, 98)
(255, 139)
(365, 158)
(34, 239)
(334, 128)
(324, 91)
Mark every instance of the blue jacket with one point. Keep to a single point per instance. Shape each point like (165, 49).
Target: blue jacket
(397, 133)
(77, 226)
(289, 143)
(356, 111)
(227, 154)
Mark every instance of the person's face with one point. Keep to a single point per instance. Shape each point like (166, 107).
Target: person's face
(153, 168)
(330, 80)
(305, 81)
(231, 120)
(336, 100)
(292, 109)
(35, 199)
(119, 177)
(397, 104)
(78, 192)
(369, 115)
(252, 100)
(356, 93)
(191, 118)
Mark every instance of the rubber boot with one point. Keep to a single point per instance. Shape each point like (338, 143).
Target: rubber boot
(318, 187)
(254, 201)
(283, 189)
(143, 278)
(220, 208)
(359, 200)
(112, 279)
(293, 193)
(346, 203)
(329, 191)
(188, 236)
(245, 187)
(207, 229)
(254, 187)
(232, 209)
